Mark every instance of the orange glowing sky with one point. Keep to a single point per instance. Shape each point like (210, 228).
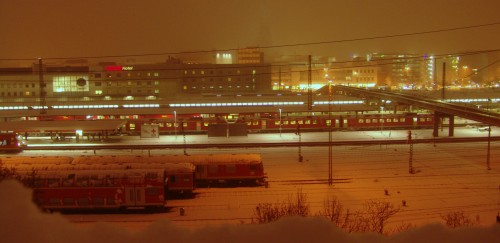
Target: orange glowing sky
(61, 28)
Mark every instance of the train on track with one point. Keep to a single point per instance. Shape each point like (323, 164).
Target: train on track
(266, 122)
(11, 143)
(128, 181)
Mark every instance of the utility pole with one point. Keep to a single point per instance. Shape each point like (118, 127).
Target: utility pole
(300, 142)
(184, 137)
(309, 86)
(330, 148)
(279, 85)
(41, 83)
(444, 81)
(410, 160)
(488, 152)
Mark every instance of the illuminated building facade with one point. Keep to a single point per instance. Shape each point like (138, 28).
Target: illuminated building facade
(111, 81)
(250, 56)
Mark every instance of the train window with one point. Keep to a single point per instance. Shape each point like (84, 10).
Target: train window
(110, 201)
(285, 122)
(231, 169)
(200, 168)
(53, 182)
(300, 122)
(276, 122)
(293, 122)
(429, 119)
(395, 120)
(256, 122)
(168, 124)
(374, 120)
(68, 201)
(67, 182)
(315, 122)
(328, 122)
(422, 119)
(205, 124)
(54, 201)
(360, 120)
(40, 183)
(98, 201)
(388, 120)
(368, 121)
(83, 201)
(82, 181)
(249, 123)
(184, 124)
(94, 181)
(402, 119)
(213, 169)
(151, 175)
(152, 191)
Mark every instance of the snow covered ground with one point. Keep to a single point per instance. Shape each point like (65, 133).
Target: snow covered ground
(448, 177)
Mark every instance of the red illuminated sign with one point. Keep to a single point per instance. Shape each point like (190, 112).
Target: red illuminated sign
(119, 68)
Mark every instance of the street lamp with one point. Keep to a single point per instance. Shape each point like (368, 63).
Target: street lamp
(280, 121)
(175, 123)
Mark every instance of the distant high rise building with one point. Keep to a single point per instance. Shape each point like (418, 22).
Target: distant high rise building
(402, 70)
(250, 55)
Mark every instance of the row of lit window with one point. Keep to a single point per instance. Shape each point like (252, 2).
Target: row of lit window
(119, 75)
(138, 83)
(381, 120)
(202, 72)
(185, 87)
(15, 85)
(474, 100)
(100, 92)
(238, 104)
(229, 79)
(15, 94)
(340, 102)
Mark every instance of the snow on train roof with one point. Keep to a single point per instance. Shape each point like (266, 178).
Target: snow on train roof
(98, 173)
(195, 159)
(36, 160)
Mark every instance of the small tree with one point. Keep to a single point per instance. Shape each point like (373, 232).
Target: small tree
(377, 214)
(294, 206)
(457, 219)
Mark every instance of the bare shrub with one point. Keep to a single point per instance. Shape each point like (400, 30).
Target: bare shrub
(294, 206)
(377, 214)
(334, 211)
(457, 219)
(372, 219)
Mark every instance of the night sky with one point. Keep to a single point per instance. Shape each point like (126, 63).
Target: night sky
(60, 28)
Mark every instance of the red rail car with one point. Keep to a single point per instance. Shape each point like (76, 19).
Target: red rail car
(108, 189)
(11, 142)
(179, 176)
(228, 169)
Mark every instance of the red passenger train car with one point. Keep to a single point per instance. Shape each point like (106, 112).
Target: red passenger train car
(179, 176)
(89, 189)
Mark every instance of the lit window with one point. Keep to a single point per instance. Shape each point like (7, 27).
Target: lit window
(98, 92)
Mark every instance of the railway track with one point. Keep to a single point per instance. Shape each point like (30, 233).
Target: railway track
(256, 145)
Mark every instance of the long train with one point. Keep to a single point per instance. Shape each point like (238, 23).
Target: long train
(62, 182)
(267, 122)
